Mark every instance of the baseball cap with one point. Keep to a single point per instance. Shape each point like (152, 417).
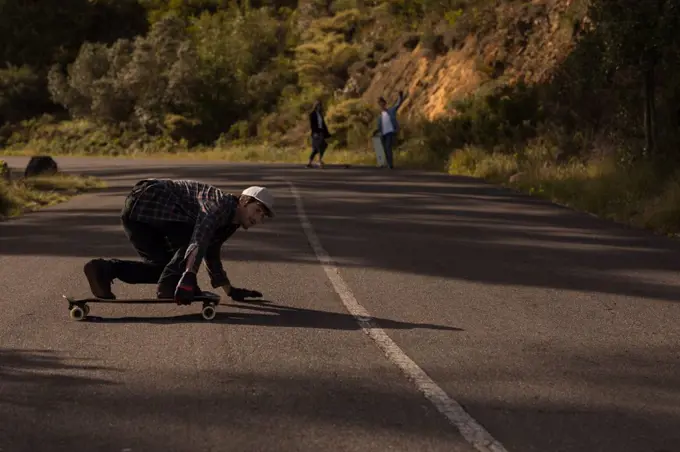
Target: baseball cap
(263, 195)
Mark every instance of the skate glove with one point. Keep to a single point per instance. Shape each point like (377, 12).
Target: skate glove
(184, 293)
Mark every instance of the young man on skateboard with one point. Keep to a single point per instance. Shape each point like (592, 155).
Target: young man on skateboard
(173, 225)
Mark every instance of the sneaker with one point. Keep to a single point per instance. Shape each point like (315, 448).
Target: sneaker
(98, 274)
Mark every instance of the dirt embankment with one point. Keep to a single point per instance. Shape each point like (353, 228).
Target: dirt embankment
(513, 41)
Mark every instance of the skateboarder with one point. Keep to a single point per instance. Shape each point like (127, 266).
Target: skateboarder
(173, 225)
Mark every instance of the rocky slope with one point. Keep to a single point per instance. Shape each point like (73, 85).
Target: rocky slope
(486, 47)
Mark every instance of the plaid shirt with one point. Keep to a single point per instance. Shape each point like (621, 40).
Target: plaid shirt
(163, 201)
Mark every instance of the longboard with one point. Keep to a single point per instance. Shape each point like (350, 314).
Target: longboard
(379, 151)
(79, 310)
(331, 165)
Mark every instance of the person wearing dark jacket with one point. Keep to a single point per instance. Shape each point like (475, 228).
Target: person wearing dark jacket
(320, 132)
(174, 225)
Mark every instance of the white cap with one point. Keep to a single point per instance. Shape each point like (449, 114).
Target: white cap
(263, 195)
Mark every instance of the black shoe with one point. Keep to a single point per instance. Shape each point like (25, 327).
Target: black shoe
(99, 276)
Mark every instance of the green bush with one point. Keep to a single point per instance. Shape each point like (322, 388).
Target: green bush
(351, 123)
(138, 82)
(503, 119)
(22, 93)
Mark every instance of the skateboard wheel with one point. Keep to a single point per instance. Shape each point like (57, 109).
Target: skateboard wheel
(87, 310)
(208, 312)
(77, 313)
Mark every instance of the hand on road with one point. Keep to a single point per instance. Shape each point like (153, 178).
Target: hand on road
(241, 294)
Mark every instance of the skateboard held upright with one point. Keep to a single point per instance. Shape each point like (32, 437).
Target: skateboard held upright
(379, 151)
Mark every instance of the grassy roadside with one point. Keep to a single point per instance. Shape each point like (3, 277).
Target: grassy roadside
(81, 138)
(33, 193)
(236, 154)
(635, 196)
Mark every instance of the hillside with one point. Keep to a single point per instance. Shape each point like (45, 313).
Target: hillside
(485, 46)
(561, 98)
(519, 40)
(261, 66)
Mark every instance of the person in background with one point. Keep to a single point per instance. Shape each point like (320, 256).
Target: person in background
(388, 126)
(320, 132)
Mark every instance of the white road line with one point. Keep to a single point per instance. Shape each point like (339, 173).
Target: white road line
(472, 431)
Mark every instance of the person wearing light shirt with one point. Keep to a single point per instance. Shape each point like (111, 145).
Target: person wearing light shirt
(388, 126)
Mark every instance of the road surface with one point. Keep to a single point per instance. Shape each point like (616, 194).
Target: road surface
(393, 302)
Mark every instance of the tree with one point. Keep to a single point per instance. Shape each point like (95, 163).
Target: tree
(639, 35)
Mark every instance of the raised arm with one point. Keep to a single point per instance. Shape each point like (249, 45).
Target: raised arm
(400, 100)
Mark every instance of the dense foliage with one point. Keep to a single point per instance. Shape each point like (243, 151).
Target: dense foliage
(616, 92)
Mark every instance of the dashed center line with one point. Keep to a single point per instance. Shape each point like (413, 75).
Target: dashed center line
(471, 430)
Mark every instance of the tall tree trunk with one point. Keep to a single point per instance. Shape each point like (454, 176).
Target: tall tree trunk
(650, 109)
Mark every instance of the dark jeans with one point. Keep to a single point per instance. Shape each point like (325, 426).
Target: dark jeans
(319, 146)
(387, 142)
(162, 249)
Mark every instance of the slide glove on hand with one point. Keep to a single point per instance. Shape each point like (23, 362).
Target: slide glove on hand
(184, 293)
(241, 294)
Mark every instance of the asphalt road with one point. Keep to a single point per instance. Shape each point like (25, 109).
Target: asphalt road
(555, 331)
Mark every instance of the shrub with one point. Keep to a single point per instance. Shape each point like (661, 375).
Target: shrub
(351, 123)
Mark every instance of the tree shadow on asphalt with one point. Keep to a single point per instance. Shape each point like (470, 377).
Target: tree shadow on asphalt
(268, 314)
(414, 223)
(589, 397)
(613, 401)
(233, 410)
(44, 368)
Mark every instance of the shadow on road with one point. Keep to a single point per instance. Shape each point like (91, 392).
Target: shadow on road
(46, 369)
(595, 398)
(266, 313)
(230, 410)
(23, 365)
(258, 410)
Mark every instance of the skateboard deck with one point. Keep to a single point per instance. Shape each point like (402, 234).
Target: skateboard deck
(331, 165)
(79, 309)
(380, 157)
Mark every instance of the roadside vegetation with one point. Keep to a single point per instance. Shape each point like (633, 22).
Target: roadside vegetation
(32, 193)
(576, 100)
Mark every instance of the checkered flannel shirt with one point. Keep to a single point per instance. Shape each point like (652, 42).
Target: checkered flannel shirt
(162, 201)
